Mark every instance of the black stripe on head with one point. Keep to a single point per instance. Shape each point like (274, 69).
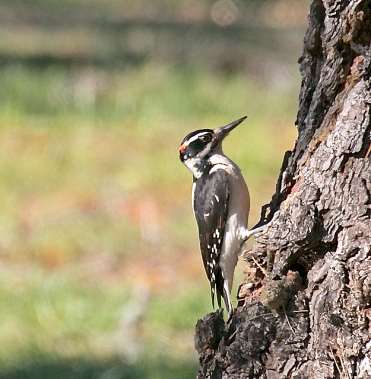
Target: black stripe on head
(195, 142)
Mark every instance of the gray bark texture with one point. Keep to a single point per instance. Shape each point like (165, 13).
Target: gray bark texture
(305, 307)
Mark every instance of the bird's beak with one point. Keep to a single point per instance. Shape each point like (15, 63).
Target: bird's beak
(223, 131)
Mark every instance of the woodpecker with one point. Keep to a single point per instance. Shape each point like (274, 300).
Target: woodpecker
(221, 205)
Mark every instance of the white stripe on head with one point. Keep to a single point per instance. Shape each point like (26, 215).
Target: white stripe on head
(195, 137)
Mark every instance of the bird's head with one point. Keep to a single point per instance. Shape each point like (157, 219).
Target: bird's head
(197, 146)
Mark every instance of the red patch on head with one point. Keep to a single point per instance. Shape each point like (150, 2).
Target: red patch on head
(182, 148)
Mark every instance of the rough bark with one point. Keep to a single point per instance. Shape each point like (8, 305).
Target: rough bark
(305, 307)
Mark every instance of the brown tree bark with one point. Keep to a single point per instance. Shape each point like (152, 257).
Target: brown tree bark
(305, 307)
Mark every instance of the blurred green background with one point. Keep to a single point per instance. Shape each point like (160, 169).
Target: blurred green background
(100, 271)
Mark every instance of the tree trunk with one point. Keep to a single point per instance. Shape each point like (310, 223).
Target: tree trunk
(305, 307)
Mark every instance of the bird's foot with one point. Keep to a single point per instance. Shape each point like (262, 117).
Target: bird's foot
(246, 234)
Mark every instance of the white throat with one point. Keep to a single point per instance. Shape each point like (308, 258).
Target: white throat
(195, 166)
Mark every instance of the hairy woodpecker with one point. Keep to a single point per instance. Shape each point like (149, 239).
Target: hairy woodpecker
(220, 204)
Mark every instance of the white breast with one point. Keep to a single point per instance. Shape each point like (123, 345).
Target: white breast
(238, 212)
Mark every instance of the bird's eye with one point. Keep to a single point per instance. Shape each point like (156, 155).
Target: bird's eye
(206, 138)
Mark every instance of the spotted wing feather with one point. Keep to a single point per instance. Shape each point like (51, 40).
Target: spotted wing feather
(210, 204)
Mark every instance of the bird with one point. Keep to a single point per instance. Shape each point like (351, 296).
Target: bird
(221, 204)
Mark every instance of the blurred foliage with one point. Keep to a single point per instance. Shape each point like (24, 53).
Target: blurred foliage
(100, 271)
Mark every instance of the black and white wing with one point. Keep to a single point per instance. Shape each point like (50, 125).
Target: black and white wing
(210, 204)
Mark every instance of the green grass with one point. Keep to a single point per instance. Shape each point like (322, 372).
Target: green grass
(96, 218)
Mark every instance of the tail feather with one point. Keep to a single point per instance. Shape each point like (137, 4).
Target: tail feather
(222, 291)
